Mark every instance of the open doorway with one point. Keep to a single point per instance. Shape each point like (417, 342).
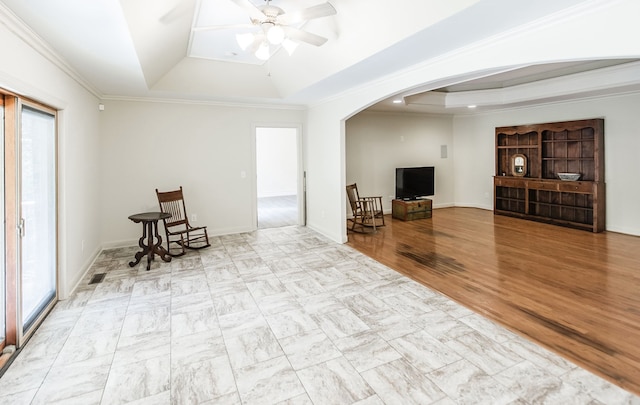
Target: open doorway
(277, 179)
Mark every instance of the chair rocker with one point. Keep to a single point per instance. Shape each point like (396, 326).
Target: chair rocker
(178, 230)
(367, 212)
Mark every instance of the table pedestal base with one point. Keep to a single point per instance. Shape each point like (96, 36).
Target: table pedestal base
(149, 230)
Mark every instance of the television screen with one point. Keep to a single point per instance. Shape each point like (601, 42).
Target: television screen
(415, 182)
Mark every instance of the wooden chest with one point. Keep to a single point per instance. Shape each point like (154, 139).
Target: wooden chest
(410, 210)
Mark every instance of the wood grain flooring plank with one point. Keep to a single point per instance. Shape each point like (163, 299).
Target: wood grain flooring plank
(571, 291)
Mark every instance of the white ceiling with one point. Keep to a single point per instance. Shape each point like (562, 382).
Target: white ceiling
(518, 87)
(146, 48)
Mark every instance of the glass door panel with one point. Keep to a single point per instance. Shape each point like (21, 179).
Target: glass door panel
(38, 214)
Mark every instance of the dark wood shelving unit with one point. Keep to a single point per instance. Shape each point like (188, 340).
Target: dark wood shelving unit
(552, 148)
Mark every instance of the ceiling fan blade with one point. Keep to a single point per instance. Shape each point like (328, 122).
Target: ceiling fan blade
(252, 10)
(222, 27)
(294, 17)
(304, 36)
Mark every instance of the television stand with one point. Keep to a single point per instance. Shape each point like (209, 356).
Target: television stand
(409, 210)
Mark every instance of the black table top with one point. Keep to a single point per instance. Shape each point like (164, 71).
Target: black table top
(149, 216)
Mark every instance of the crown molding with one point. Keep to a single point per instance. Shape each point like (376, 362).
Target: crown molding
(33, 40)
(218, 103)
(600, 81)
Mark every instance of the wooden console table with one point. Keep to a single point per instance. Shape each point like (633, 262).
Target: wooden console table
(408, 210)
(149, 230)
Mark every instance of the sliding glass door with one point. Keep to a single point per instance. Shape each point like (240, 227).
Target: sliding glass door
(37, 220)
(28, 203)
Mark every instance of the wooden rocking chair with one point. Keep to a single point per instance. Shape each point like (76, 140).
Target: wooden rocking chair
(178, 229)
(367, 212)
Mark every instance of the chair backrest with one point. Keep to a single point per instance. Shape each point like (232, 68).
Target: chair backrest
(352, 195)
(172, 202)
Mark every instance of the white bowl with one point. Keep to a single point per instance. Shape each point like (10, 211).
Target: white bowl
(569, 176)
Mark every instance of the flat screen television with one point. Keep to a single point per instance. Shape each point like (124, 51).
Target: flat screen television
(415, 182)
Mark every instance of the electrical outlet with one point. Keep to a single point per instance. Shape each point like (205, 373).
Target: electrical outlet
(194, 217)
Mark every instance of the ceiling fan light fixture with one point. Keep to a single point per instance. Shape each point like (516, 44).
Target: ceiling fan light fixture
(289, 45)
(276, 27)
(275, 35)
(244, 40)
(263, 51)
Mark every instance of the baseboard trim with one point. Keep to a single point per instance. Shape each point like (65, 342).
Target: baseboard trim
(87, 266)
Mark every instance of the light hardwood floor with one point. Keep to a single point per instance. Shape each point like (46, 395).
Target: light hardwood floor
(574, 292)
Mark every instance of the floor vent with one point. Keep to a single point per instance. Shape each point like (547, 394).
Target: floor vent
(97, 278)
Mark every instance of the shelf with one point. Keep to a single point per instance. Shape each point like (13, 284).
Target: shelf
(518, 147)
(552, 148)
(586, 159)
(514, 200)
(566, 140)
(573, 207)
(554, 221)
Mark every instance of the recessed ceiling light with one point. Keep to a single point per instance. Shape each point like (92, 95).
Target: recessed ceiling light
(471, 106)
(397, 101)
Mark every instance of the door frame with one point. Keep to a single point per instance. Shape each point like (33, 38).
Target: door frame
(3, 271)
(10, 218)
(300, 192)
(15, 333)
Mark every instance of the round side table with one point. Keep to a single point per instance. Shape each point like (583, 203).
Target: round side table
(149, 230)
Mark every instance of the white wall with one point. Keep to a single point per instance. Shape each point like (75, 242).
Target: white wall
(325, 163)
(207, 149)
(111, 162)
(276, 161)
(374, 147)
(377, 143)
(475, 164)
(607, 31)
(27, 72)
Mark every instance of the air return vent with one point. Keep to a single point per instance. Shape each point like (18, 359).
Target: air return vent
(97, 278)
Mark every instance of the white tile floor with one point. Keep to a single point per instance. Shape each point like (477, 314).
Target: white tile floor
(281, 316)
(275, 212)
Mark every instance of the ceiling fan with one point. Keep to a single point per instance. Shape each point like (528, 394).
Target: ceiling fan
(277, 27)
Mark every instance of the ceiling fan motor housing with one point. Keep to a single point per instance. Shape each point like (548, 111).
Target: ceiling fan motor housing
(271, 12)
